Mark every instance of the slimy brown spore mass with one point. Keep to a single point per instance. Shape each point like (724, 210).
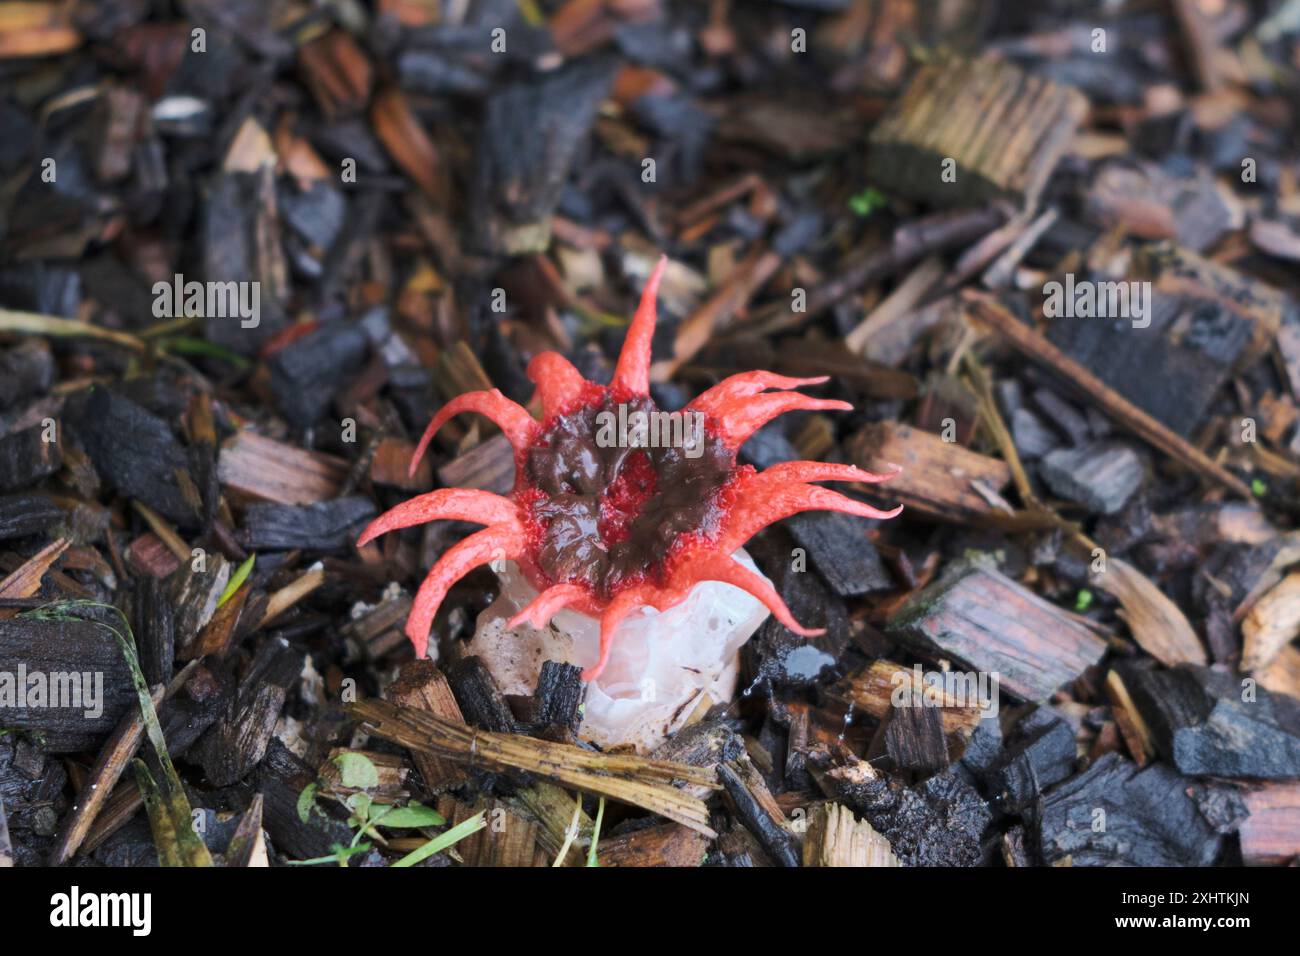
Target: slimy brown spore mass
(611, 513)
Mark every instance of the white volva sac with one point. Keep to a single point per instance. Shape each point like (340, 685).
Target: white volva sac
(661, 668)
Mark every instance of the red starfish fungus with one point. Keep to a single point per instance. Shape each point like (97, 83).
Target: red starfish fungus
(606, 528)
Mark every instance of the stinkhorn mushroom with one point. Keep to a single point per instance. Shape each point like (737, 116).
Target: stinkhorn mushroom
(604, 528)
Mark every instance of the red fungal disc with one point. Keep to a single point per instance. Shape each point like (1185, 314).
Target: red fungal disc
(607, 528)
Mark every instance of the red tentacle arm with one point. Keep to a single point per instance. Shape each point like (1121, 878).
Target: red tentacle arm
(632, 374)
(545, 605)
(620, 607)
(774, 494)
(519, 427)
(716, 566)
(559, 384)
(743, 385)
(822, 471)
(739, 418)
(446, 504)
(498, 542)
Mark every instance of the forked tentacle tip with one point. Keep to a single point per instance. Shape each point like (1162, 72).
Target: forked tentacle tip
(891, 472)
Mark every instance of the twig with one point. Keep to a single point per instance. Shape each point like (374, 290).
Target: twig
(641, 782)
(33, 323)
(911, 243)
(1113, 404)
(103, 776)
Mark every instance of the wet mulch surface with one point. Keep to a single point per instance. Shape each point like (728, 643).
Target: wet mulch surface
(1047, 251)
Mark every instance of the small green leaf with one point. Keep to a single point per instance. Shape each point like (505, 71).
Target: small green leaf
(238, 578)
(1083, 600)
(443, 841)
(868, 201)
(359, 804)
(415, 815)
(306, 802)
(1258, 487)
(356, 771)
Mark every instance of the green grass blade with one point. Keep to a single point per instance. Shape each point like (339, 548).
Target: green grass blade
(237, 579)
(444, 840)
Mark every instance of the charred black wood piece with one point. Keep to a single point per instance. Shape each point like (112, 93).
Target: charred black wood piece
(1207, 723)
(914, 739)
(776, 840)
(777, 654)
(559, 697)
(22, 515)
(135, 452)
(836, 543)
(32, 784)
(242, 256)
(77, 665)
(307, 373)
(705, 744)
(238, 740)
(188, 715)
(840, 550)
(26, 457)
(984, 749)
(281, 779)
(938, 823)
(481, 701)
(154, 627)
(322, 526)
(1039, 754)
(26, 369)
(1101, 476)
(530, 138)
(1203, 321)
(1112, 814)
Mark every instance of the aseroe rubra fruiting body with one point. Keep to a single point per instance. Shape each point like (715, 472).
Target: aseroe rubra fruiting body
(605, 528)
